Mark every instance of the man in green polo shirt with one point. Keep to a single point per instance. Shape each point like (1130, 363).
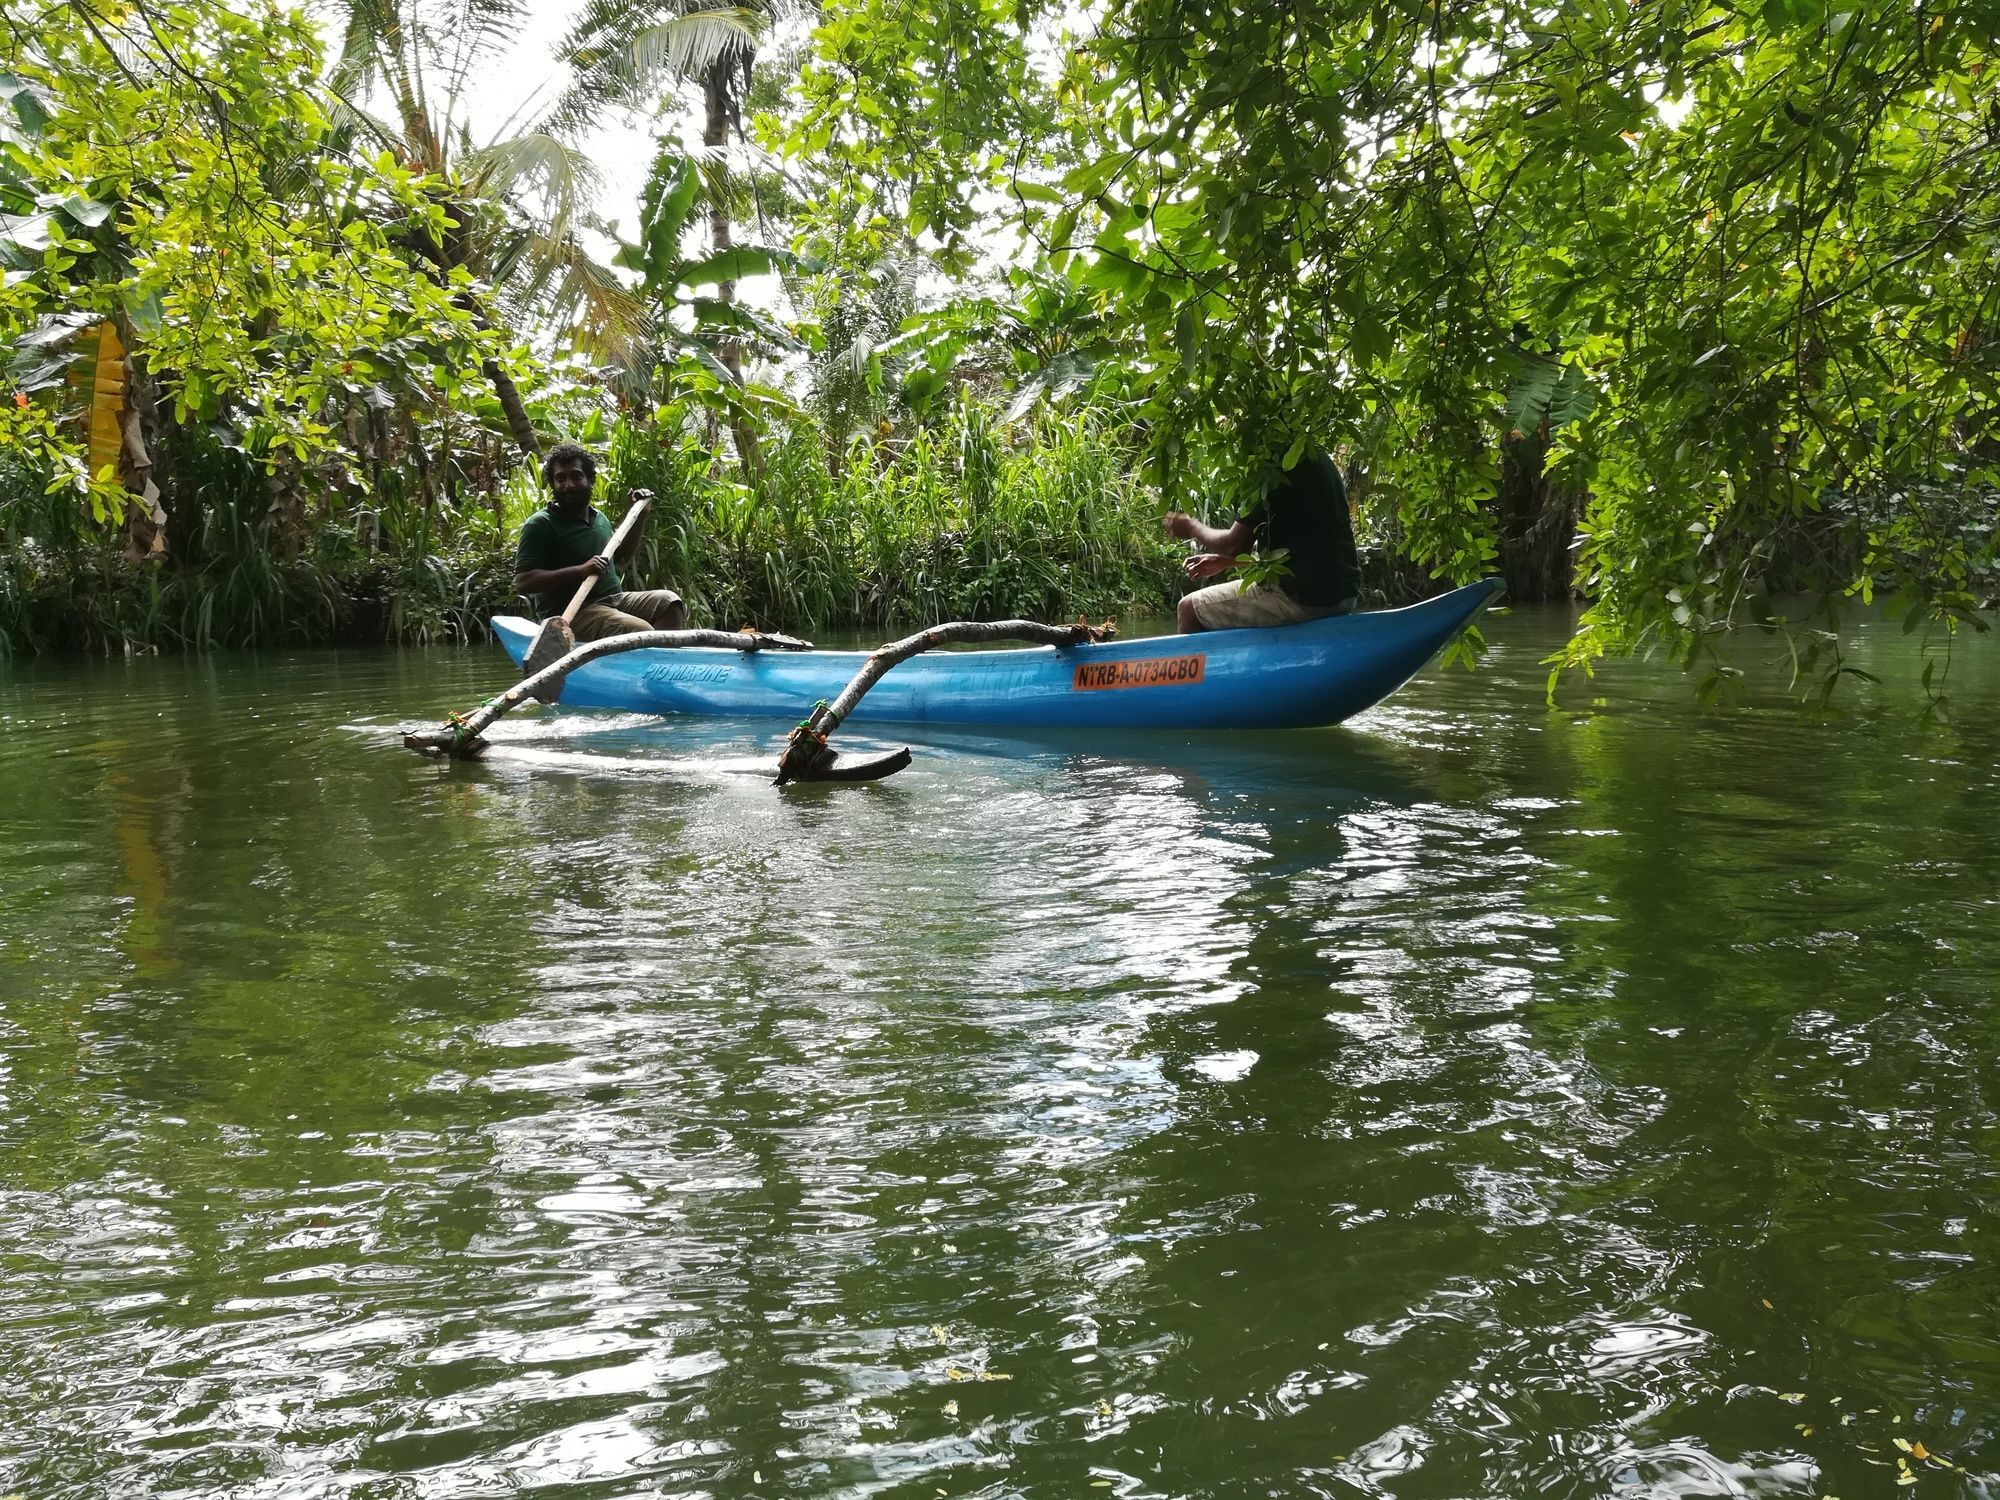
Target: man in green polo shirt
(561, 545)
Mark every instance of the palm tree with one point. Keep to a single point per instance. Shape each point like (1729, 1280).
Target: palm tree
(519, 197)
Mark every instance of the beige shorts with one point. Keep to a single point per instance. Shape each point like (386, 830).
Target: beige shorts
(1237, 605)
(621, 614)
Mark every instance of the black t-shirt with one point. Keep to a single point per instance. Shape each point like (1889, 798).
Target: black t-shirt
(1305, 512)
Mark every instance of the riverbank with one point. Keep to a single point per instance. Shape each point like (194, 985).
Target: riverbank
(961, 523)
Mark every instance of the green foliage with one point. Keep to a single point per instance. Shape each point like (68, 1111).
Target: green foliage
(1727, 264)
(174, 171)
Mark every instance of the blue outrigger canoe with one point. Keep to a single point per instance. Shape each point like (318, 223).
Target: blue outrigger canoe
(1291, 677)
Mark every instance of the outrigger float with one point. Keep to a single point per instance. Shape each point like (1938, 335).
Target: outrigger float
(1075, 676)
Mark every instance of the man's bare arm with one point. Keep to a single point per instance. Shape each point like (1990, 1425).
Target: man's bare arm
(1231, 542)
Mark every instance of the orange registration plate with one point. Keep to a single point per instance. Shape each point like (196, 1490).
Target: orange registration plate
(1161, 671)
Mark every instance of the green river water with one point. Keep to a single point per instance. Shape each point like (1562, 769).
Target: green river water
(1481, 1099)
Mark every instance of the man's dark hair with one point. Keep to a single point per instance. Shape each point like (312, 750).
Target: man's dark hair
(562, 451)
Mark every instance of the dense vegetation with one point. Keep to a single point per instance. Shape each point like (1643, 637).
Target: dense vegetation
(1681, 306)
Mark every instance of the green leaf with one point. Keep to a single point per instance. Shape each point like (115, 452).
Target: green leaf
(670, 217)
(712, 314)
(86, 211)
(1116, 271)
(27, 109)
(732, 265)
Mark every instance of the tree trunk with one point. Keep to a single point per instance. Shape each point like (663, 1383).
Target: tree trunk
(1537, 523)
(517, 414)
(720, 103)
(182, 512)
(287, 508)
(145, 518)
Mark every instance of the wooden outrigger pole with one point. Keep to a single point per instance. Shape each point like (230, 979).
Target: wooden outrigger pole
(806, 756)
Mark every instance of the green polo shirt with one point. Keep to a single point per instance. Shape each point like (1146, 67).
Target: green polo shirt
(552, 539)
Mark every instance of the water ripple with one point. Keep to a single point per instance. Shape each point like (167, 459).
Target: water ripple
(1482, 1100)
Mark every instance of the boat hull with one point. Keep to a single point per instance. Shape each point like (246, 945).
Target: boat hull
(1290, 677)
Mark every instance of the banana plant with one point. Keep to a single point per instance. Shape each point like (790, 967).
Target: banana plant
(689, 328)
(1049, 340)
(74, 358)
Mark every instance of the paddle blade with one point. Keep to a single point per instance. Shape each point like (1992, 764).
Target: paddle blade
(554, 641)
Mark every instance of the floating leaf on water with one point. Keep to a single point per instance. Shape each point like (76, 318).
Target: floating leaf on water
(953, 1372)
(1104, 1408)
(1765, 1300)
(951, 1408)
(1904, 1444)
(1906, 1479)
(756, 1476)
(1918, 1450)
(993, 1375)
(1795, 1397)
(938, 1333)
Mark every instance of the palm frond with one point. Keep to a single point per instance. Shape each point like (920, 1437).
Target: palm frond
(609, 319)
(688, 46)
(368, 35)
(618, 48)
(479, 31)
(534, 162)
(348, 122)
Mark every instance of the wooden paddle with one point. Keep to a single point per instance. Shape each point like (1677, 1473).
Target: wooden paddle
(556, 640)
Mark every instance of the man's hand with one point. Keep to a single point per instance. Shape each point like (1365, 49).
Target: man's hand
(1180, 525)
(1207, 565)
(592, 567)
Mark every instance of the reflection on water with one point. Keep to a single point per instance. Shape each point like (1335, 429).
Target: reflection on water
(1482, 1099)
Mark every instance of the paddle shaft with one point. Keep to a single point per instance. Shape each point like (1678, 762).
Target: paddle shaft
(617, 540)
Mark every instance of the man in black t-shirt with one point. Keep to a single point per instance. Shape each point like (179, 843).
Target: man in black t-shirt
(1304, 515)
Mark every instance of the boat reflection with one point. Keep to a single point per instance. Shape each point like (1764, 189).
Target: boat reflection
(1337, 766)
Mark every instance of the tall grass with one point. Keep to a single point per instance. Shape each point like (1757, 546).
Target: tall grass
(956, 521)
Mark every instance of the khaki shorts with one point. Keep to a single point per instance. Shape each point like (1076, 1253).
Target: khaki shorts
(1236, 605)
(621, 614)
